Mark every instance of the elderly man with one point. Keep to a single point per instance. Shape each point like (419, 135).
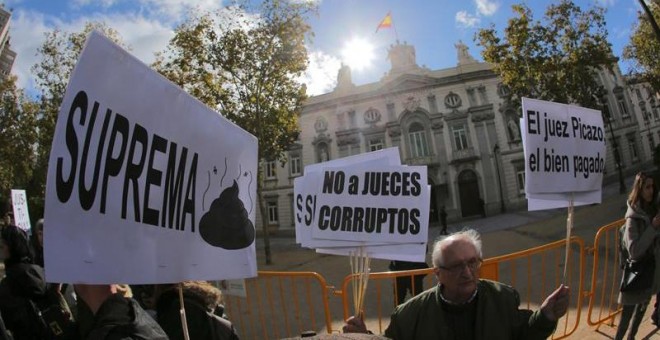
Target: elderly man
(463, 307)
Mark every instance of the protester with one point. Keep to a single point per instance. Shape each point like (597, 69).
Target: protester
(404, 284)
(639, 238)
(24, 289)
(443, 221)
(113, 316)
(204, 312)
(37, 240)
(464, 307)
(23, 281)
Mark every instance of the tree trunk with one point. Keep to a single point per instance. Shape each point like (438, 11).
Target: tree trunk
(264, 224)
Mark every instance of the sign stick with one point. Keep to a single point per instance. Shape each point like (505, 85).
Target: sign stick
(182, 311)
(360, 269)
(569, 228)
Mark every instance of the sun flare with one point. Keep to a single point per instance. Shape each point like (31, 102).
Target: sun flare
(358, 54)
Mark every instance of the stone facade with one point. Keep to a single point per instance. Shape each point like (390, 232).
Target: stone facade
(457, 121)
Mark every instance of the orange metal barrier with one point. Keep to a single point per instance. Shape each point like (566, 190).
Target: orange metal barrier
(535, 273)
(280, 305)
(606, 275)
(285, 304)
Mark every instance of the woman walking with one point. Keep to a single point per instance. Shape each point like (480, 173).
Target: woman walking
(639, 241)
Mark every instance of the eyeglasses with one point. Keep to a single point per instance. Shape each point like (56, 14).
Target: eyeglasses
(473, 264)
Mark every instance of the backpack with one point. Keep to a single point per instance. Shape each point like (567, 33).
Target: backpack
(52, 316)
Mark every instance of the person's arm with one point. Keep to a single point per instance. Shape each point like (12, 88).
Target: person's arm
(637, 241)
(542, 323)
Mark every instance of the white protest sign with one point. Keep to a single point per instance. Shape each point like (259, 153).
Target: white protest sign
(20, 207)
(564, 147)
(307, 187)
(377, 204)
(145, 183)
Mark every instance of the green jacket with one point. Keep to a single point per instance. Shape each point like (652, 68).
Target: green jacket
(498, 317)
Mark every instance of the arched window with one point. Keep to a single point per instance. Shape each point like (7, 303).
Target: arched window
(417, 139)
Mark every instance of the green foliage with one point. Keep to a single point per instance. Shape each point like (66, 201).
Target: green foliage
(58, 56)
(643, 49)
(555, 59)
(246, 66)
(18, 137)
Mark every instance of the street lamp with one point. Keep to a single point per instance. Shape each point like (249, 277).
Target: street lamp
(615, 146)
(496, 151)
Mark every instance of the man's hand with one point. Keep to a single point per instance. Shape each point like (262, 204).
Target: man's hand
(354, 324)
(556, 305)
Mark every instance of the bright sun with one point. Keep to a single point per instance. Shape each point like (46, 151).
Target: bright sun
(357, 53)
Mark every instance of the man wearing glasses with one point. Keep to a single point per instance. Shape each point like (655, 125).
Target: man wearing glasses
(464, 307)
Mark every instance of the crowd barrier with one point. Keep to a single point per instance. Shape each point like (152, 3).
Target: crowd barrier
(605, 276)
(286, 304)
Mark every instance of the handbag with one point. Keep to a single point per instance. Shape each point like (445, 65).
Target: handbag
(638, 275)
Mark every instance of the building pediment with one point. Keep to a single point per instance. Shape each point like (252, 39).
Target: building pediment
(406, 82)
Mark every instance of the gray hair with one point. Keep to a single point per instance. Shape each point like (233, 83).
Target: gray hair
(469, 235)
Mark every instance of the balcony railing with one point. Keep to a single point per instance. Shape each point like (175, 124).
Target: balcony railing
(464, 155)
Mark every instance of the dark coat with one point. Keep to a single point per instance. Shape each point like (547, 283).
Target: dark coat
(120, 318)
(498, 317)
(23, 282)
(203, 324)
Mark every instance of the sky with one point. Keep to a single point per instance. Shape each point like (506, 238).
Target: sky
(344, 30)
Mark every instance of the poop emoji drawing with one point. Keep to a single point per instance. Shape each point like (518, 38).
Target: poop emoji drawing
(226, 224)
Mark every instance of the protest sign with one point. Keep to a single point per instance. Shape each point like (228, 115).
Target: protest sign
(20, 207)
(376, 204)
(564, 147)
(145, 183)
(307, 187)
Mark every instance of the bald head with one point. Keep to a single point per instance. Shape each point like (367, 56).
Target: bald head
(470, 236)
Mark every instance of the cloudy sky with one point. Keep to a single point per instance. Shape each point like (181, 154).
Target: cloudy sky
(344, 29)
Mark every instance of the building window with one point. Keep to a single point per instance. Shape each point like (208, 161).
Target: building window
(639, 95)
(271, 170)
(375, 144)
(520, 179)
(452, 100)
(460, 137)
(623, 108)
(295, 165)
(418, 144)
(633, 149)
(272, 213)
(656, 115)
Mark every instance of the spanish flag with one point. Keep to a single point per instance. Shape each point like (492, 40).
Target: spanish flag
(386, 22)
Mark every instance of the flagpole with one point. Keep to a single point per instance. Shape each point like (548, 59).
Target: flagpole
(396, 34)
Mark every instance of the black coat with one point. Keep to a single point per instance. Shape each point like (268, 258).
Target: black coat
(203, 324)
(23, 282)
(120, 318)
